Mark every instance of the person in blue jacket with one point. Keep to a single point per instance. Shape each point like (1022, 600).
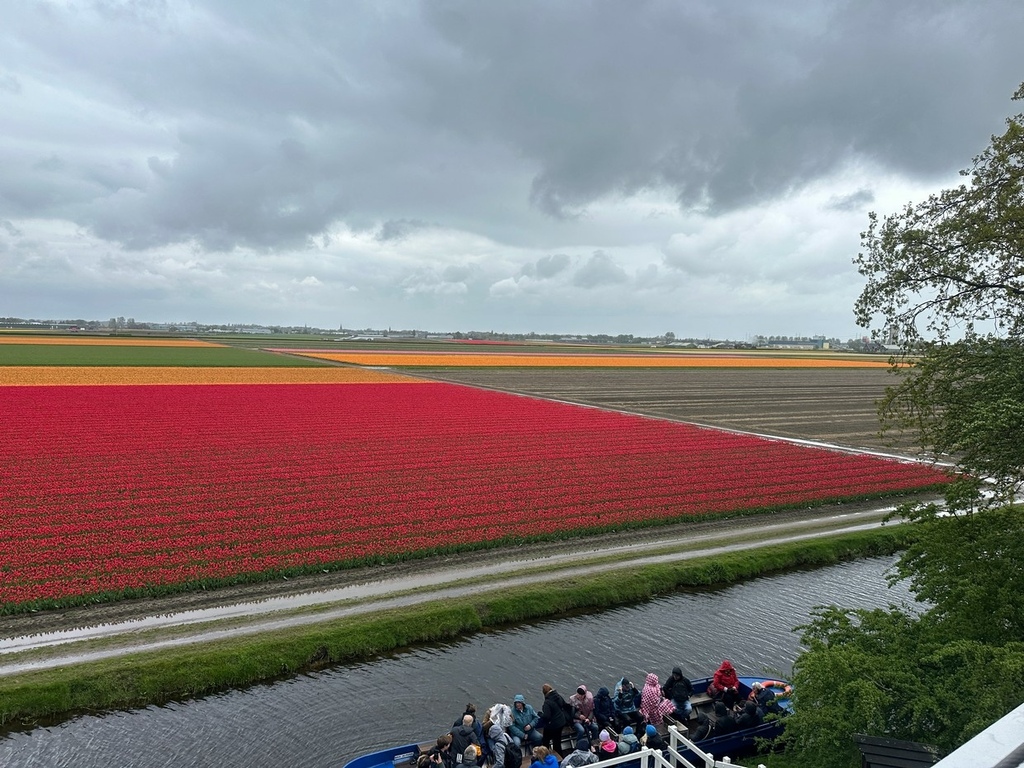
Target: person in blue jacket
(627, 704)
(524, 724)
(543, 758)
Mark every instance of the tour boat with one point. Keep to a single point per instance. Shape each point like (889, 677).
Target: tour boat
(733, 744)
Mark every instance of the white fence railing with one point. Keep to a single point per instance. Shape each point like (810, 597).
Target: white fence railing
(677, 745)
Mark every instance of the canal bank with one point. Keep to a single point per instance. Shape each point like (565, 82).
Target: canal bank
(144, 665)
(321, 719)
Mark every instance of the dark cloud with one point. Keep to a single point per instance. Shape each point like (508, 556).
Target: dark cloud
(398, 229)
(457, 274)
(546, 267)
(238, 131)
(599, 270)
(728, 104)
(855, 201)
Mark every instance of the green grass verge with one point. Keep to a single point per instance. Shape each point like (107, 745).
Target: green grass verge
(60, 354)
(144, 679)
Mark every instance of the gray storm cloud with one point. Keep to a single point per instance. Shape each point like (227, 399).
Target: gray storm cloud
(382, 147)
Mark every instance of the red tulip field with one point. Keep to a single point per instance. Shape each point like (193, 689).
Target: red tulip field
(136, 489)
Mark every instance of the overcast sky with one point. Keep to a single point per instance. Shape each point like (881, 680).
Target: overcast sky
(699, 166)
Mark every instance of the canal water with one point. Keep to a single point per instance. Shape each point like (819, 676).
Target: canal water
(323, 719)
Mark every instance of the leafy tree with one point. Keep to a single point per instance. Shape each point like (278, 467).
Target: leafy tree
(954, 260)
(887, 673)
(950, 269)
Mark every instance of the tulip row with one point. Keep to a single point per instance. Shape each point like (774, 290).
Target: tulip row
(584, 360)
(113, 488)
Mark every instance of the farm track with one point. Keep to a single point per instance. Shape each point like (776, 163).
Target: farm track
(834, 406)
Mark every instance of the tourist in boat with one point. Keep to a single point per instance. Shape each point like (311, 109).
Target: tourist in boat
(583, 713)
(498, 739)
(524, 729)
(750, 716)
(604, 708)
(471, 710)
(554, 717)
(725, 685)
(608, 747)
(440, 755)
(766, 699)
(679, 689)
(584, 754)
(464, 735)
(702, 728)
(652, 738)
(543, 758)
(653, 705)
(627, 704)
(628, 742)
(724, 720)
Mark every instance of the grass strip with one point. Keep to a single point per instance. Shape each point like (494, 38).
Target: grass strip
(138, 680)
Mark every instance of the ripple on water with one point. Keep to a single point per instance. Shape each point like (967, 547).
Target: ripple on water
(325, 718)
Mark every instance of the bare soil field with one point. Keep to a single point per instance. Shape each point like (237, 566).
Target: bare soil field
(833, 405)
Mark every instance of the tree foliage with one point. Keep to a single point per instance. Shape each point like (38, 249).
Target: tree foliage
(964, 403)
(947, 276)
(939, 675)
(944, 266)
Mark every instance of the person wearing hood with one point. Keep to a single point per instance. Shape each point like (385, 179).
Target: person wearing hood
(499, 741)
(543, 758)
(524, 728)
(725, 685)
(679, 689)
(554, 716)
(652, 738)
(604, 708)
(582, 755)
(750, 716)
(583, 713)
(654, 706)
(628, 742)
(607, 748)
(724, 720)
(627, 703)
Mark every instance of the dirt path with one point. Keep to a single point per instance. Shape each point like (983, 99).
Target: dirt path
(79, 635)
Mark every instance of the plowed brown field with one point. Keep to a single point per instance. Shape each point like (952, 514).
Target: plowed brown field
(834, 405)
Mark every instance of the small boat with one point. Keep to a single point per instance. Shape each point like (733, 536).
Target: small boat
(744, 741)
(737, 743)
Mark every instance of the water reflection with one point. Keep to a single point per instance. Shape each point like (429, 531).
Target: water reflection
(324, 719)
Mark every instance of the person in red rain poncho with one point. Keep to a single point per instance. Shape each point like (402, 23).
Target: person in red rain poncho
(654, 706)
(725, 685)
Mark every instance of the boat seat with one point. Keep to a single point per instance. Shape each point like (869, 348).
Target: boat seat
(698, 700)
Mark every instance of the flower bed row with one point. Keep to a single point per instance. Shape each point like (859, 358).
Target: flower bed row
(584, 360)
(115, 488)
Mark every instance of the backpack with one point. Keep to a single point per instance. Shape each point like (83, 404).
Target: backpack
(570, 713)
(513, 754)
